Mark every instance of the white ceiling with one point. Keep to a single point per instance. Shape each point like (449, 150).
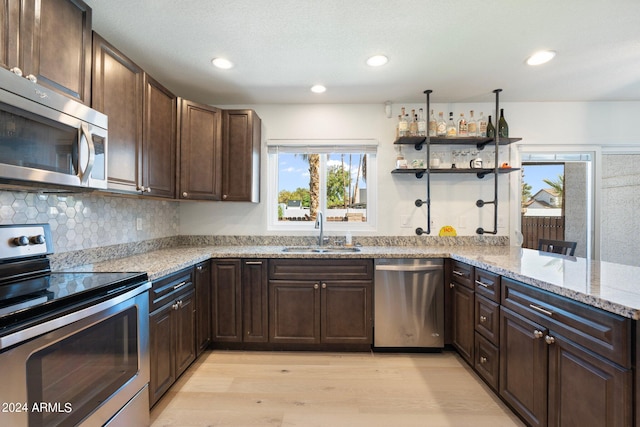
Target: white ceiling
(462, 49)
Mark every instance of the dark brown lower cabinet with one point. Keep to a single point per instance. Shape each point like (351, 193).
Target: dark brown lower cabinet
(239, 300)
(463, 320)
(549, 380)
(321, 302)
(171, 343)
(202, 279)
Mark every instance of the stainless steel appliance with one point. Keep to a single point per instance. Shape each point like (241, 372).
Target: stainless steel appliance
(49, 139)
(74, 346)
(409, 303)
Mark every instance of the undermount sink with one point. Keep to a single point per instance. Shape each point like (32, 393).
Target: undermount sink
(321, 249)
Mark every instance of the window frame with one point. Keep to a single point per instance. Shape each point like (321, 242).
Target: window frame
(323, 147)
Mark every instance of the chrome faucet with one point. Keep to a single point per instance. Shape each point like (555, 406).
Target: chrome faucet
(320, 225)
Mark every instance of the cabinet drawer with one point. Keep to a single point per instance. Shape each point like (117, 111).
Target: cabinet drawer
(487, 361)
(314, 269)
(487, 284)
(168, 287)
(487, 319)
(462, 274)
(602, 332)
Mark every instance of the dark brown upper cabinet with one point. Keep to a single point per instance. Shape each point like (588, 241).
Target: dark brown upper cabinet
(200, 152)
(49, 42)
(142, 124)
(241, 132)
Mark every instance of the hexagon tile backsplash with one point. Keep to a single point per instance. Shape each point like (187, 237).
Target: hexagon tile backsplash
(83, 220)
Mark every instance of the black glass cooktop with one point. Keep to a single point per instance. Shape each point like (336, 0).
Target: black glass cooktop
(28, 301)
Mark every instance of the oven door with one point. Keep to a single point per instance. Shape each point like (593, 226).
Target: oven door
(84, 372)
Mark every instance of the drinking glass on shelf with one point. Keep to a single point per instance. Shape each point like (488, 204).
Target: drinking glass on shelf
(456, 159)
(435, 160)
(489, 158)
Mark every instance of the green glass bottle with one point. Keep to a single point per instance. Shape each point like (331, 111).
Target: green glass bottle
(491, 131)
(503, 127)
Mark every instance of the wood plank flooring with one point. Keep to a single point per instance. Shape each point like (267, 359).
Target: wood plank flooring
(227, 388)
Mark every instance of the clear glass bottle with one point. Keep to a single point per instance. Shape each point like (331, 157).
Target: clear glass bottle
(491, 131)
(413, 124)
(422, 123)
(472, 125)
(503, 127)
(441, 129)
(452, 129)
(463, 129)
(403, 125)
(433, 125)
(482, 125)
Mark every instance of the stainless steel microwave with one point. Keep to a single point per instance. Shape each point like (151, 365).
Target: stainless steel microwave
(47, 138)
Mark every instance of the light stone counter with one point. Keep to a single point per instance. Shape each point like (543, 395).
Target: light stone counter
(611, 287)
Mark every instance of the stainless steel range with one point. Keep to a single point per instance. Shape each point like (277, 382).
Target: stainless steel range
(74, 347)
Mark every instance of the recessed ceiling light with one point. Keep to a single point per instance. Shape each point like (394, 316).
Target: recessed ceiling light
(318, 89)
(222, 63)
(377, 60)
(541, 57)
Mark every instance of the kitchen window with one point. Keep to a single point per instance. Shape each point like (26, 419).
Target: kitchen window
(336, 177)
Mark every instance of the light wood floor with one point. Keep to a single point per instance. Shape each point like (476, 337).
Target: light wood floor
(225, 388)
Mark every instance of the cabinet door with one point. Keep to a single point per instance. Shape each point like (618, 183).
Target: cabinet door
(117, 92)
(294, 311)
(585, 389)
(241, 156)
(200, 152)
(463, 321)
(226, 301)
(202, 280)
(161, 352)
(345, 309)
(523, 367)
(55, 45)
(255, 314)
(159, 144)
(9, 24)
(185, 324)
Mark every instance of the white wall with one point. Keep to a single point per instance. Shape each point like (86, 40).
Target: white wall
(453, 196)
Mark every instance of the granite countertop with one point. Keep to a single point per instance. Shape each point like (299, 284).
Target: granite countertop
(611, 287)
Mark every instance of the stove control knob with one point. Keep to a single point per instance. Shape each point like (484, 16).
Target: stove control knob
(21, 241)
(37, 239)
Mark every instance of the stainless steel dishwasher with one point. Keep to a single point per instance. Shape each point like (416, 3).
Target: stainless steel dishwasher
(409, 303)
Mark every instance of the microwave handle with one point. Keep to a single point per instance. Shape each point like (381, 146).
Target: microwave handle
(86, 135)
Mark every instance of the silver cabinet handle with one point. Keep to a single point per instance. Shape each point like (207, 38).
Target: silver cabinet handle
(324, 286)
(457, 273)
(483, 319)
(17, 71)
(253, 262)
(185, 194)
(179, 285)
(174, 306)
(452, 285)
(199, 268)
(538, 334)
(483, 360)
(32, 78)
(484, 285)
(541, 310)
(549, 339)
(315, 286)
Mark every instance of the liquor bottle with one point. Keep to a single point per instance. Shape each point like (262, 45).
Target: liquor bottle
(441, 129)
(503, 127)
(452, 130)
(463, 129)
(403, 126)
(433, 125)
(472, 125)
(422, 123)
(413, 124)
(482, 125)
(491, 131)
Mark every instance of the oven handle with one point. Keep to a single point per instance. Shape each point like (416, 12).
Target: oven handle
(67, 319)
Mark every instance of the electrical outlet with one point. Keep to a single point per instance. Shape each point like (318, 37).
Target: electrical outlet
(462, 221)
(139, 224)
(405, 221)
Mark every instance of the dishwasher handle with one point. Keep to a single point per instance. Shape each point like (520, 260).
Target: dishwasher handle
(408, 268)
